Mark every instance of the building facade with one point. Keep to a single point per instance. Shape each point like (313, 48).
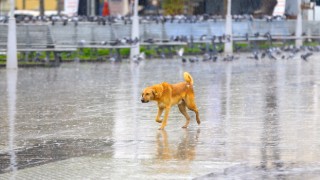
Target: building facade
(35, 5)
(4, 7)
(155, 7)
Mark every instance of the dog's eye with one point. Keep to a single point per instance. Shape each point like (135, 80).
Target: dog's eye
(147, 94)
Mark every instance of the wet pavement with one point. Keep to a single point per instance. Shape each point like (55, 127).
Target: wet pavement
(260, 120)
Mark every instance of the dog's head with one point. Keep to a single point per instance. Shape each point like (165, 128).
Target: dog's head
(151, 93)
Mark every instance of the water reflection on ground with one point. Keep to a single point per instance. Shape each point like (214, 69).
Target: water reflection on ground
(260, 119)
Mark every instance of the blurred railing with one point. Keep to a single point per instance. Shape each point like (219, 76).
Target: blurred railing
(86, 34)
(28, 36)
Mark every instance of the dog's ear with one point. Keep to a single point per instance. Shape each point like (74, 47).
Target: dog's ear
(157, 91)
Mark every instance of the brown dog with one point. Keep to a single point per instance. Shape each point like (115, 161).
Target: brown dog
(168, 95)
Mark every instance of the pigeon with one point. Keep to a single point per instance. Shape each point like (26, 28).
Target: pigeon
(180, 52)
(306, 56)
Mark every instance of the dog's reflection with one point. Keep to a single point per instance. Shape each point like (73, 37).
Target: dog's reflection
(182, 149)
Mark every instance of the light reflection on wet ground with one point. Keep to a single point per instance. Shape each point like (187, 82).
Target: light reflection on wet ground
(260, 120)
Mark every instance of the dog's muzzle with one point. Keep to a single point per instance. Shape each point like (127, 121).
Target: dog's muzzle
(144, 101)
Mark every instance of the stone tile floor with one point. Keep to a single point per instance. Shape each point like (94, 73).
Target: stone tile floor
(260, 120)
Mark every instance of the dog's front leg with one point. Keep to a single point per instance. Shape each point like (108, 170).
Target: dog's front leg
(165, 118)
(160, 110)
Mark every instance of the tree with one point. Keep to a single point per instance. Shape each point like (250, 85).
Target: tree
(173, 7)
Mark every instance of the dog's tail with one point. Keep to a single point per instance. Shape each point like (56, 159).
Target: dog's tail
(188, 78)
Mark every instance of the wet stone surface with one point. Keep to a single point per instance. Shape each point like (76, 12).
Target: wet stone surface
(260, 120)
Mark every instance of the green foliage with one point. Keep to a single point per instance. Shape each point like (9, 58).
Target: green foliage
(166, 50)
(103, 52)
(173, 7)
(150, 52)
(143, 48)
(241, 45)
(29, 63)
(125, 52)
(86, 52)
(66, 55)
(311, 43)
(2, 56)
(266, 45)
(194, 50)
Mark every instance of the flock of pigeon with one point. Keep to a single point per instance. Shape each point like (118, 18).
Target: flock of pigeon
(179, 38)
(104, 20)
(274, 53)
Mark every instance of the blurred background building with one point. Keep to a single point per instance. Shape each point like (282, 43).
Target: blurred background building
(156, 7)
(49, 5)
(4, 7)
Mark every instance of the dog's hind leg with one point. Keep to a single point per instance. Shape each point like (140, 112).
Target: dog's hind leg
(160, 110)
(182, 108)
(193, 107)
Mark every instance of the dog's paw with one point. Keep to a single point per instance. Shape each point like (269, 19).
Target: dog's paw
(158, 120)
(184, 127)
(161, 128)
